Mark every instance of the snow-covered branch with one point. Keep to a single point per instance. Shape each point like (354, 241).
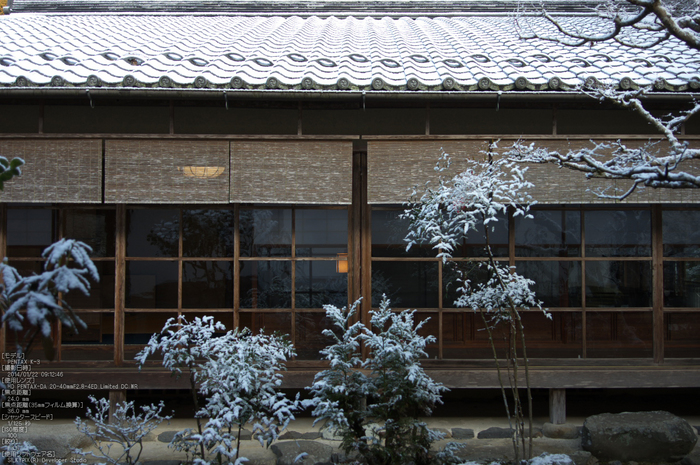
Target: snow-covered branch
(29, 306)
(632, 23)
(657, 163)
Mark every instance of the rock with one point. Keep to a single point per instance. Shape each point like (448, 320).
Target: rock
(697, 428)
(290, 435)
(639, 436)
(581, 457)
(311, 435)
(167, 436)
(288, 451)
(692, 459)
(445, 431)
(462, 433)
(504, 433)
(495, 433)
(330, 435)
(565, 431)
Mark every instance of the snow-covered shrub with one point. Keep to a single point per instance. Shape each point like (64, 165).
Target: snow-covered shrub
(238, 373)
(126, 431)
(339, 393)
(30, 306)
(184, 345)
(471, 203)
(375, 404)
(241, 379)
(19, 453)
(9, 169)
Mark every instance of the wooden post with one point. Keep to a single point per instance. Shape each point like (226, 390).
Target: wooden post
(114, 398)
(557, 406)
(657, 274)
(119, 287)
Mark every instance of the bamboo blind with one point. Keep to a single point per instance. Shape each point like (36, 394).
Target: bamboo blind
(55, 171)
(394, 168)
(561, 185)
(312, 172)
(144, 171)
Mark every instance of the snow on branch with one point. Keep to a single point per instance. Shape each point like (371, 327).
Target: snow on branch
(656, 163)
(443, 215)
(30, 305)
(631, 23)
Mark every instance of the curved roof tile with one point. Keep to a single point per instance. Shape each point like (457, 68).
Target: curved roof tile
(316, 53)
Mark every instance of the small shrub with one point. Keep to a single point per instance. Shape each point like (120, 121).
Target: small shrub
(375, 404)
(126, 431)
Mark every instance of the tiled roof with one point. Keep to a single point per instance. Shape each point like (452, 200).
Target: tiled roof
(456, 53)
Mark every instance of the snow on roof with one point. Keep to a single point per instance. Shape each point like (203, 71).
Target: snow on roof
(316, 53)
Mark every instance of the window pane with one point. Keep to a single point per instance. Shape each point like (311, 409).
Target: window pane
(26, 269)
(388, 234)
(96, 342)
(682, 330)
(318, 283)
(321, 233)
(406, 284)
(151, 284)
(101, 294)
(618, 284)
(266, 284)
(557, 284)
(682, 284)
(474, 243)
(451, 275)
(97, 228)
(681, 234)
(207, 233)
(152, 233)
(618, 334)
(618, 233)
(266, 233)
(309, 338)
(30, 231)
(278, 322)
(548, 234)
(138, 329)
(207, 284)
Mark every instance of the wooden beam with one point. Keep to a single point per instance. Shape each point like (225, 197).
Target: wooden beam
(657, 249)
(119, 285)
(557, 406)
(115, 397)
(540, 378)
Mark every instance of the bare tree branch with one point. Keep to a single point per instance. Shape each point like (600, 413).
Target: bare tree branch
(637, 24)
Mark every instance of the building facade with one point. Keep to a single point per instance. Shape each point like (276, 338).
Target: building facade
(250, 161)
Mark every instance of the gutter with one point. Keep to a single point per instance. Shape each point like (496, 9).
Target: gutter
(218, 94)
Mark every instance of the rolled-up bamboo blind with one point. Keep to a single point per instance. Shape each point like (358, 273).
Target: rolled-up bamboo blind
(55, 171)
(313, 172)
(560, 185)
(394, 168)
(146, 171)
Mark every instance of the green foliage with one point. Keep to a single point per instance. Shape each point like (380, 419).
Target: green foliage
(9, 169)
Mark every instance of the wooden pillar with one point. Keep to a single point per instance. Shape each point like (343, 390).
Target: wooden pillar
(557, 406)
(115, 397)
(657, 274)
(119, 286)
